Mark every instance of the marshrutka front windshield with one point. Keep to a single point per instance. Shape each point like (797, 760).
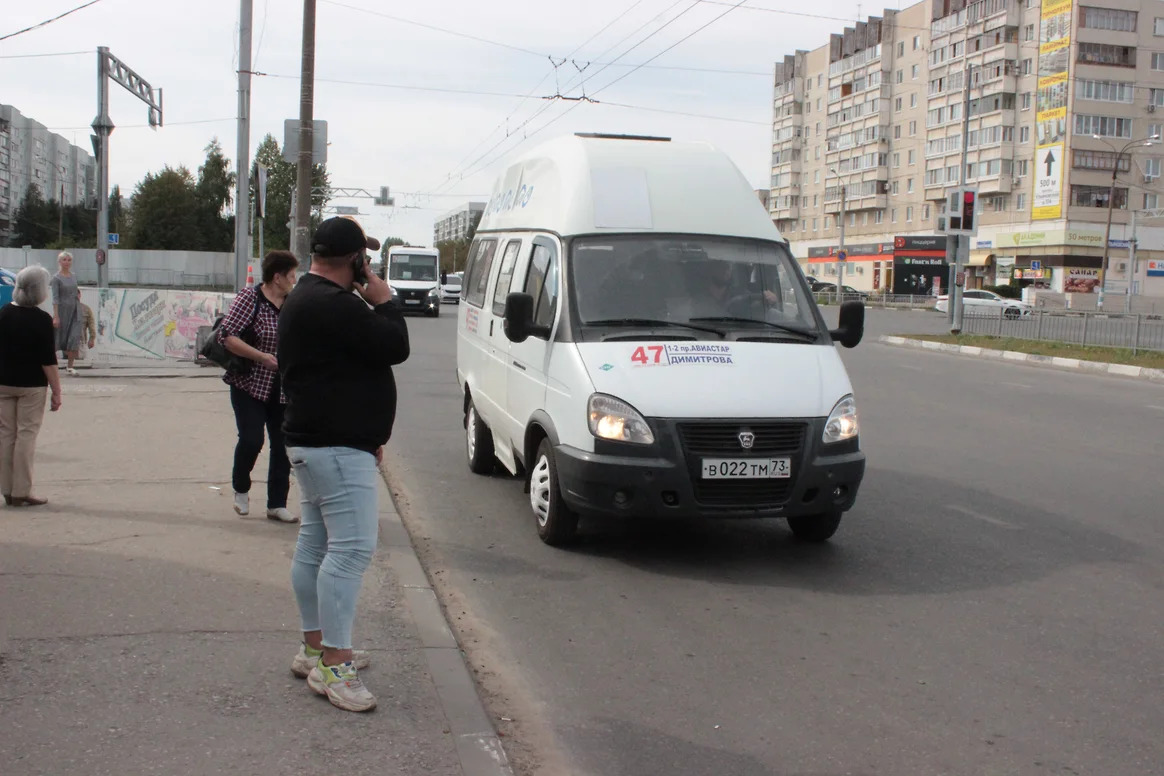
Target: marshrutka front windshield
(406, 266)
(685, 278)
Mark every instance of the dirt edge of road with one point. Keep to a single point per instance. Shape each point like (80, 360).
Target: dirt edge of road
(529, 743)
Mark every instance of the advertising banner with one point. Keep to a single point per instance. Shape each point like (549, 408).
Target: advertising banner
(1051, 109)
(1080, 281)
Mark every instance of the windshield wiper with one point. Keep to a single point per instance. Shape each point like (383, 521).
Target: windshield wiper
(653, 322)
(781, 326)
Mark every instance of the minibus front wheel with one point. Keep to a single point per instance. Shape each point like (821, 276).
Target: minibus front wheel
(557, 523)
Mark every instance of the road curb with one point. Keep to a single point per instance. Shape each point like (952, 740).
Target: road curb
(1052, 362)
(478, 745)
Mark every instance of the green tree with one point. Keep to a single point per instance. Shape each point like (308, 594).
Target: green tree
(165, 212)
(454, 254)
(213, 191)
(280, 183)
(34, 222)
(118, 212)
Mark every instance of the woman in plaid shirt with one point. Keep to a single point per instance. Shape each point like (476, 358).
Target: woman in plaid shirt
(249, 331)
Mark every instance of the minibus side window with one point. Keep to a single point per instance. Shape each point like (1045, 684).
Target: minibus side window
(477, 277)
(505, 277)
(542, 284)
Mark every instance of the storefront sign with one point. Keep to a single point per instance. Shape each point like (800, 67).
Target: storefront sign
(1119, 244)
(1051, 109)
(1080, 281)
(1049, 237)
(1032, 274)
(1155, 268)
(984, 244)
(921, 261)
(920, 242)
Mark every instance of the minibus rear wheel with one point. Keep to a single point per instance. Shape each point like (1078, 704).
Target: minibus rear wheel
(815, 528)
(557, 524)
(478, 442)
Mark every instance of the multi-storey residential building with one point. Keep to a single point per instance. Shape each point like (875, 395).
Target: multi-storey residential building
(1005, 95)
(455, 224)
(31, 155)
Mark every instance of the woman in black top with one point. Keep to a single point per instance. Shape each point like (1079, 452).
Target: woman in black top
(28, 365)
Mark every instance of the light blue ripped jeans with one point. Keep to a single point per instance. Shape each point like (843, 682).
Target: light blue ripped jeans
(337, 536)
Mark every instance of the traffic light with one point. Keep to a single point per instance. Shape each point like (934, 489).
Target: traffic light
(969, 201)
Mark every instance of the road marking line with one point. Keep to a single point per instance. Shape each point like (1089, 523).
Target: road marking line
(1018, 385)
(1155, 407)
(980, 516)
(911, 366)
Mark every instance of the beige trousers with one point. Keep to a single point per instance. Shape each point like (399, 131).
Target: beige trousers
(21, 413)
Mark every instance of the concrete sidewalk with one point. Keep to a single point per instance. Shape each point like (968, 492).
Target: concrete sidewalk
(147, 629)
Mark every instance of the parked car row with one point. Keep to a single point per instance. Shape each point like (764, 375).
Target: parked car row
(831, 288)
(979, 302)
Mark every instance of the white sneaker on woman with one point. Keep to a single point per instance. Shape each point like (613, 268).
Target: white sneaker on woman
(242, 503)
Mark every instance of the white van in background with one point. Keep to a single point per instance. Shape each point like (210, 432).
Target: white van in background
(414, 274)
(637, 340)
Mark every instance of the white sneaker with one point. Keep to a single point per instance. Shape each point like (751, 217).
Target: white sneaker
(282, 514)
(242, 503)
(71, 371)
(307, 659)
(342, 686)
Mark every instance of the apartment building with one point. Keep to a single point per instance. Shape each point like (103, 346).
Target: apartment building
(31, 155)
(883, 110)
(455, 224)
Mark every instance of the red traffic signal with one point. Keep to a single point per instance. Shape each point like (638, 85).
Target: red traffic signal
(969, 201)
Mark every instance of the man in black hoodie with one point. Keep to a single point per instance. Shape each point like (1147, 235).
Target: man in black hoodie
(335, 358)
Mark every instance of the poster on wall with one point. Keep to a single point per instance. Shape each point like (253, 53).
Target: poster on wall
(1051, 109)
(1155, 268)
(141, 321)
(1080, 281)
(185, 312)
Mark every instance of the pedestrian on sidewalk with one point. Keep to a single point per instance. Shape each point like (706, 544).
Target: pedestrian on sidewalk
(88, 327)
(250, 331)
(336, 357)
(28, 365)
(67, 310)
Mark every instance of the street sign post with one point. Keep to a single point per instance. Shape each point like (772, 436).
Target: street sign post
(1036, 264)
(842, 255)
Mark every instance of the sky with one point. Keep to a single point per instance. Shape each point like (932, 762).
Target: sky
(430, 99)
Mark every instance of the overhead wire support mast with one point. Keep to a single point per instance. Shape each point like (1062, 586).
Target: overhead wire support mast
(109, 68)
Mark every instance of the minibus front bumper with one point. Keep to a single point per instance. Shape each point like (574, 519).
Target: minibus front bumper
(667, 479)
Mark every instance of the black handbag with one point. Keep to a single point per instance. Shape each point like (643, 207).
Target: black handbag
(216, 353)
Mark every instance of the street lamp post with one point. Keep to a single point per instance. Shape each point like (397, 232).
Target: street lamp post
(1148, 141)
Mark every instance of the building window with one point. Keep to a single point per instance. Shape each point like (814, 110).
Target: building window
(896, 159)
(1027, 66)
(814, 224)
(1097, 196)
(998, 204)
(1104, 126)
(913, 157)
(1106, 54)
(901, 49)
(914, 71)
(819, 81)
(1020, 202)
(828, 223)
(897, 132)
(1159, 28)
(893, 188)
(1029, 32)
(925, 212)
(1022, 168)
(815, 177)
(909, 213)
(1024, 134)
(1156, 97)
(909, 185)
(865, 218)
(1025, 100)
(1152, 167)
(897, 104)
(1111, 19)
(1154, 130)
(1151, 201)
(879, 217)
(900, 76)
(916, 42)
(1105, 91)
(912, 128)
(913, 100)
(852, 219)
(893, 216)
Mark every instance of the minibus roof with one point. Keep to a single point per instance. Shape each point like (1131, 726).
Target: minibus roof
(607, 184)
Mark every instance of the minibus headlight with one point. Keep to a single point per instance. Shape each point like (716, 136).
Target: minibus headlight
(842, 423)
(614, 419)
(434, 291)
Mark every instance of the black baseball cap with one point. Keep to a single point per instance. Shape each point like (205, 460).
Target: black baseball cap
(341, 236)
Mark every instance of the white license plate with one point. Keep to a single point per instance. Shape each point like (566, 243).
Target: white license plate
(746, 468)
(411, 301)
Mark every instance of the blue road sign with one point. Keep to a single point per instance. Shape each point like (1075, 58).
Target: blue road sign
(1036, 264)
(114, 238)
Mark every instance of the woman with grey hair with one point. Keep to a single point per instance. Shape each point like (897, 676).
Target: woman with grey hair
(28, 365)
(67, 310)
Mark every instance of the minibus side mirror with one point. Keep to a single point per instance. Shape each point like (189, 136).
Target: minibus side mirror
(519, 317)
(444, 278)
(851, 324)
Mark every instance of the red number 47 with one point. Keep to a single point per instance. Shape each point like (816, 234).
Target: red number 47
(640, 355)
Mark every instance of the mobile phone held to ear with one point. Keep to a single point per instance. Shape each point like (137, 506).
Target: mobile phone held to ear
(360, 269)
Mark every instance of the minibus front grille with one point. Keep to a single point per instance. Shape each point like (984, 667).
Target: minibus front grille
(727, 440)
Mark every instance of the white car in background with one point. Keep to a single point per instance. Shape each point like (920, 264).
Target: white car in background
(451, 289)
(981, 302)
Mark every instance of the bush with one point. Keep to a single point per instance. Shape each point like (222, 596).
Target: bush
(1007, 291)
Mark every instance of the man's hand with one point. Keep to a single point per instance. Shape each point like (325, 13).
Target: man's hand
(55, 403)
(92, 344)
(268, 360)
(56, 322)
(770, 297)
(375, 291)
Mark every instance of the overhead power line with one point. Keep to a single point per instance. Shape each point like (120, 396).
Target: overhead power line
(55, 54)
(49, 21)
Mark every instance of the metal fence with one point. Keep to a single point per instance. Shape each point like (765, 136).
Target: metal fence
(1114, 330)
(888, 301)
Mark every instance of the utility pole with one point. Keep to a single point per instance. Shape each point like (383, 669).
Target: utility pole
(1107, 232)
(1131, 265)
(242, 222)
(306, 141)
(61, 215)
(841, 250)
(954, 293)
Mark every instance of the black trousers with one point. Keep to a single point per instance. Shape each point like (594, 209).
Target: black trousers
(251, 415)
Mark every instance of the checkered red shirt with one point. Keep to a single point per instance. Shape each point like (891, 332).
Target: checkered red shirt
(261, 335)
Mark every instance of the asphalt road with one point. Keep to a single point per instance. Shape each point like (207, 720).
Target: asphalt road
(994, 604)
